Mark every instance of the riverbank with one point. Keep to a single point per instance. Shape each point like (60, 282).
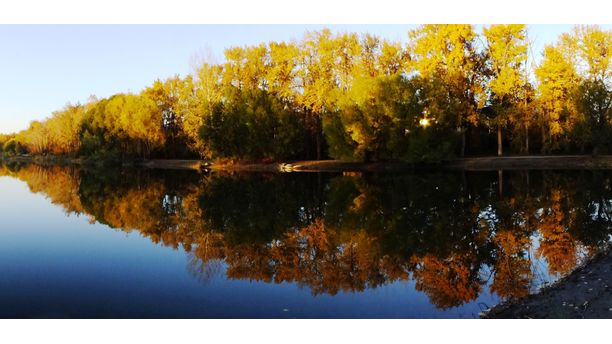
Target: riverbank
(550, 162)
(41, 160)
(559, 162)
(532, 162)
(585, 293)
(469, 164)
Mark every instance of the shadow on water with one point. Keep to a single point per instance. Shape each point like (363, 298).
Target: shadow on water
(455, 235)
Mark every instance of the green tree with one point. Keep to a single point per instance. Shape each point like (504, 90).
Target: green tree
(252, 124)
(594, 100)
(11, 147)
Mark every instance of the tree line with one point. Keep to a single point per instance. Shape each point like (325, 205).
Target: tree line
(449, 91)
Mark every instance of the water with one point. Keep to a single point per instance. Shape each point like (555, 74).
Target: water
(135, 243)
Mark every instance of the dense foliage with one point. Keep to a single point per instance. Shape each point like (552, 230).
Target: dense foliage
(450, 91)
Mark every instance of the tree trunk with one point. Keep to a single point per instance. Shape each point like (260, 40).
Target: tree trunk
(527, 139)
(499, 141)
(318, 127)
(318, 143)
(463, 139)
(543, 149)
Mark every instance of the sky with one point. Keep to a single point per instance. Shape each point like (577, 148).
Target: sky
(44, 67)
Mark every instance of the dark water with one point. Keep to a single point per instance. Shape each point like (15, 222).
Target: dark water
(149, 244)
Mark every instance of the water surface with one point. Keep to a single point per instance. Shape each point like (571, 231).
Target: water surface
(135, 243)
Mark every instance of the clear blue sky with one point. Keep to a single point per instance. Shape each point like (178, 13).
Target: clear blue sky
(44, 67)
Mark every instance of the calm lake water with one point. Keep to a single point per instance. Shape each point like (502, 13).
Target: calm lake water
(137, 243)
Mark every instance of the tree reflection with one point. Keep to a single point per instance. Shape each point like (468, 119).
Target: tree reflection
(453, 234)
(448, 282)
(557, 244)
(512, 268)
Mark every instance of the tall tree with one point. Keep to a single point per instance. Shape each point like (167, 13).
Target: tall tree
(506, 57)
(557, 79)
(317, 86)
(446, 56)
(201, 95)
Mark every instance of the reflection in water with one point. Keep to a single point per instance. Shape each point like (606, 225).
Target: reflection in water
(454, 234)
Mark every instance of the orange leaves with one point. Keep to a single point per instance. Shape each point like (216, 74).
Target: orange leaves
(513, 272)
(557, 245)
(448, 282)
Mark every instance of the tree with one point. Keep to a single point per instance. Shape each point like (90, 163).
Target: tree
(594, 48)
(65, 129)
(253, 124)
(4, 139)
(173, 98)
(575, 71)
(506, 57)
(557, 79)
(593, 97)
(11, 147)
(317, 85)
(36, 138)
(594, 101)
(375, 104)
(393, 59)
(200, 97)
(446, 56)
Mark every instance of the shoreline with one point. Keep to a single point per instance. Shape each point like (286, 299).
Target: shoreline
(586, 292)
(532, 162)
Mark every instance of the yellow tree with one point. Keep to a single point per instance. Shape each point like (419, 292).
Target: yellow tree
(36, 138)
(594, 48)
(281, 71)
(506, 57)
(175, 98)
(347, 51)
(445, 55)
(199, 96)
(371, 94)
(317, 85)
(136, 121)
(569, 70)
(557, 80)
(65, 129)
(393, 59)
(245, 67)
